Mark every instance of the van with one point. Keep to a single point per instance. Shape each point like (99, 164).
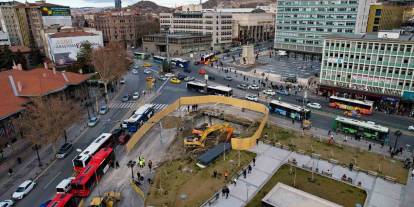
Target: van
(64, 185)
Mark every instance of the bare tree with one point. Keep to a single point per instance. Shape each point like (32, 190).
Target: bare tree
(46, 119)
(110, 63)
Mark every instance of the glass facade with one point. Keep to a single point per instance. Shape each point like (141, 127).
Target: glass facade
(301, 24)
(381, 66)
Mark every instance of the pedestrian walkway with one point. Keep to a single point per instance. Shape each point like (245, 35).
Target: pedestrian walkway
(123, 105)
(381, 193)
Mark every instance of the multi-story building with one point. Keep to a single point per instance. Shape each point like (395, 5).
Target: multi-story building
(118, 4)
(375, 66)
(126, 27)
(301, 25)
(178, 44)
(384, 17)
(9, 23)
(271, 8)
(192, 19)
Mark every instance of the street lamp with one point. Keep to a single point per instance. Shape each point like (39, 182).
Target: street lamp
(36, 147)
(397, 134)
(131, 165)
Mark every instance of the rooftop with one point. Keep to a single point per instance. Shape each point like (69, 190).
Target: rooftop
(375, 36)
(285, 196)
(71, 34)
(20, 48)
(178, 35)
(18, 85)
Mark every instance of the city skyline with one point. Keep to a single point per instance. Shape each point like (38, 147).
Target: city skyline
(110, 3)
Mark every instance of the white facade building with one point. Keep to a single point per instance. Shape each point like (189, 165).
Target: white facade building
(62, 47)
(4, 36)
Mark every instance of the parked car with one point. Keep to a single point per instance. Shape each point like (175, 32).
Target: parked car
(181, 76)
(242, 86)
(211, 77)
(116, 133)
(23, 189)
(175, 80)
(163, 78)
(64, 150)
(269, 92)
(283, 92)
(147, 65)
(187, 79)
(135, 95)
(147, 71)
(228, 78)
(254, 87)
(103, 110)
(122, 81)
(123, 138)
(314, 105)
(169, 75)
(411, 128)
(125, 98)
(45, 203)
(6, 203)
(134, 71)
(93, 121)
(136, 67)
(252, 97)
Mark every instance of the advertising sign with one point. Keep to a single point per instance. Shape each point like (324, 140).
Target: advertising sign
(55, 11)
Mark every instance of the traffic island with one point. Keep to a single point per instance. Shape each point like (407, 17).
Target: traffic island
(363, 160)
(335, 191)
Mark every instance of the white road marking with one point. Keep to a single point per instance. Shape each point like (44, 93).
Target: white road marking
(53, 179)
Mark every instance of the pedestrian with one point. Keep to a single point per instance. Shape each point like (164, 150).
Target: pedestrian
(369, 147)
(117, 164)
(346, 139)
(235, 181)
(188, 108)
(19, 160)
(244, 173)
(143, 162)
(254, 161)
(293, 121)
(329, 132)
(227, 192)
(215, 174)
(226, 174)
(249, 169)
(149, 181)
(150, 165)
(223, 191)
(138, 175)
(10, 172)
(257, 142)
(382, 144)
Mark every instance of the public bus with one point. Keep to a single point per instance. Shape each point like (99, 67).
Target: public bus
(84, 182)
(362, 107)
(211, 90)
(64, 200)
(80, 161)
(289, 110)
(207, 59)
(141, 55)
(361, 129)
(141, 115)
(159, 59)
(181, 63)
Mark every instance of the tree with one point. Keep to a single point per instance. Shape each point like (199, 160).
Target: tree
(21, 59)
(6, 58)
(84, 57)
(46, 119)
(110, 62)
(166, 68)
(36, 57)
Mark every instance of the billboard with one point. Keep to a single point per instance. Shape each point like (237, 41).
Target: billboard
(55, 11)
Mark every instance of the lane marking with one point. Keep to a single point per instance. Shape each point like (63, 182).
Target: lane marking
(162, 86)
(50, 182)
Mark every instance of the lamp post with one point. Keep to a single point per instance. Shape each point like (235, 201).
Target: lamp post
(131, 165)
(397, 134)
(36, 147)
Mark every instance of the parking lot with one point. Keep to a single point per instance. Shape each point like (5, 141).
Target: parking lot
(290, 66)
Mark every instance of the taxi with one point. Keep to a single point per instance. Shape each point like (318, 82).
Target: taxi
(175, 80)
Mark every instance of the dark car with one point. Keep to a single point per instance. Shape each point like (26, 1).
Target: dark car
(116, 133)
(211, 77)
(283, 92)
(125, 98)
(228, 78)
(64, 150)
(181, 76)
(123, 138)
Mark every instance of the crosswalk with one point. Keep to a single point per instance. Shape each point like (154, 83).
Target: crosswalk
(127, 105)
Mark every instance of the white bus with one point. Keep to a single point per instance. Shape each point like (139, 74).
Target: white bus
(289, 110)
(80, 161)
(211, 90)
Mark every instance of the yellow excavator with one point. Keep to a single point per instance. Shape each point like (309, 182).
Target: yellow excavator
(108, 200)
(199, 138)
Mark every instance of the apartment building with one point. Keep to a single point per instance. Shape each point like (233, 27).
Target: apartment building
(9, 23)
(301, 25)
(376, 66)
(384, 17)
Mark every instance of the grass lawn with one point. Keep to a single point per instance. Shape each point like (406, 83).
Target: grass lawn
(184, 177)
(365, 160)
(329, 189)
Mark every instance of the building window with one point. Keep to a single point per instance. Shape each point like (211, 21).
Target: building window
(378, 12)
(376, 20)
(375, 28)
(405, 60)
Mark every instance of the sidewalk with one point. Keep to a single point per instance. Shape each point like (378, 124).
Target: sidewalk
(381, 193)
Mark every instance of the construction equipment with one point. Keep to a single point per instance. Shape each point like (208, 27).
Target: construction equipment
(108, 200)
(306, 124)
(199, 140)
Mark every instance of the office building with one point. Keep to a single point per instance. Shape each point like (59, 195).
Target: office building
(384, 17)
(376, 66)
(192, 19)
(178, 44)
(118, 4)
(9, 23)
(301, 25)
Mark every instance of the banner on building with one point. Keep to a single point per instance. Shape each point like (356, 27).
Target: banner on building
(55, 11)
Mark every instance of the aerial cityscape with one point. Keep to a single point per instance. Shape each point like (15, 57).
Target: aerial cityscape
(207, 103)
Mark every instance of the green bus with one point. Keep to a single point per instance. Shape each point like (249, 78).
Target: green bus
(365, 129)
(141, 55)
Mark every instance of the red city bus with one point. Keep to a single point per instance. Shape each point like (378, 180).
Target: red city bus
(64, 200)
(84, 182)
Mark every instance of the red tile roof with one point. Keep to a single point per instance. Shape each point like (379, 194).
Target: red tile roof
(20, 48)
(17, 86)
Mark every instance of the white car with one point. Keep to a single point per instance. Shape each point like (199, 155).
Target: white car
(314, 105)
(269, 92)
(136, 67)
(103, 110)
(169, 75)
(254, 87)
(411, 128)
(251, 97)
(23, 189)
(147, 71)
(135, 95)
(93, 121)
(122, 81)
(134, 71)
(6, 203)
